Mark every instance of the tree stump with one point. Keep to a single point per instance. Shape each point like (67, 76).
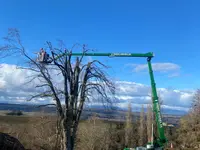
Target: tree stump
(8, 142)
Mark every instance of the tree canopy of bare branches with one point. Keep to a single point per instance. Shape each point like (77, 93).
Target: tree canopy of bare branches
(81, 82)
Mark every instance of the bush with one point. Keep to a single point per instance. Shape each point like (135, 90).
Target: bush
(15, 113)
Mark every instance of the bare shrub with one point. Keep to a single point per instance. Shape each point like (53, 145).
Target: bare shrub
(92, 135)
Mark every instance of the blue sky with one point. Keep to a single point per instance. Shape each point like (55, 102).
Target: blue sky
(170, 29)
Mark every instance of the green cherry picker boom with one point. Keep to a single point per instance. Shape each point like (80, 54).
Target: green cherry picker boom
(160, 140)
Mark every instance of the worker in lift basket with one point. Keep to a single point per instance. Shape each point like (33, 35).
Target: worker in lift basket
(42, 57)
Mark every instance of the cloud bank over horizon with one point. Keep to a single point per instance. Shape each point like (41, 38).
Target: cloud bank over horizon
(13, 90)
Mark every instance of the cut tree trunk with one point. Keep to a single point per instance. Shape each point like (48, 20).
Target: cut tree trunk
(67, 140)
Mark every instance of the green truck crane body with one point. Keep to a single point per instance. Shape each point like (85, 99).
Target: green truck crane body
(161, 140)
(156, 108)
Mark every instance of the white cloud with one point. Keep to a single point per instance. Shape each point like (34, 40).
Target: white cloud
(160, 67)
(140, 94)
(13, 90)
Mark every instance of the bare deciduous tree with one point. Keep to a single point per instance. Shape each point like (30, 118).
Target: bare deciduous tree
(142, 128)
(149, 122)
(129, 132)
(190, 126)
(81, 82)
(196, 102)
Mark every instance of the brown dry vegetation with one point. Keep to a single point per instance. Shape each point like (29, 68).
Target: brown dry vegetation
(39, 133)
(33, 132)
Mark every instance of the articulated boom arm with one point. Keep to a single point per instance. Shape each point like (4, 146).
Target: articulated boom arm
(150, 54)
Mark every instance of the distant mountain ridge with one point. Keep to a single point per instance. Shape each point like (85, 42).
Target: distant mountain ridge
(25, 107)
(95, 108)
(115, 114)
